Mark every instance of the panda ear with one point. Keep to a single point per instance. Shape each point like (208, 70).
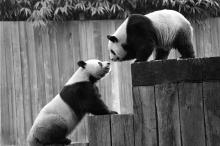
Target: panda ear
(112, 38)
(81, 63)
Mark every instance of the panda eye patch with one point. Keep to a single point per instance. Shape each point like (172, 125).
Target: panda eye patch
(113, 52)
(100, 64)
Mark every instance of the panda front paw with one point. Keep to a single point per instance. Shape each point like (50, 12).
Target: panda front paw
(113, 112)
(66, 141)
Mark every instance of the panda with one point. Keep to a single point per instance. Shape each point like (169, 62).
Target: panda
(79, 96)
(139, 35)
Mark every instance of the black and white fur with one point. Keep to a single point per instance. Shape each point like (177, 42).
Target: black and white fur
(161, 30)
(79, 96)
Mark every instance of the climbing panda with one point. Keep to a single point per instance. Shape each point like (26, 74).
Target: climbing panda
(139, 35)
(79, 96)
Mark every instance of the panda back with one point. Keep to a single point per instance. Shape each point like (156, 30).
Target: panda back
(168, 23)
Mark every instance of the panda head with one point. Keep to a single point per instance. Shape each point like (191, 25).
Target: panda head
(116, 48)
(94, 68)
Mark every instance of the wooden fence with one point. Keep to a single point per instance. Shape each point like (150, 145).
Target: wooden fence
(35, 64)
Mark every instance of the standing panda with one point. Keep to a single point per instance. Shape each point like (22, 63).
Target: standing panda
(162, 30)
(79, 96)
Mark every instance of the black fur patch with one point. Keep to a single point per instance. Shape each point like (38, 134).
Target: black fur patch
(84, 97)
(93, 79)
(141, 38)
(112, 38)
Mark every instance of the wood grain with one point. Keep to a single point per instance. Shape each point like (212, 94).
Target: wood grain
(168, 114)
(25, 75)
(191, 114)
(167, 71)
(99, 130)
(212, 112)
(145, 122)
(122, 130)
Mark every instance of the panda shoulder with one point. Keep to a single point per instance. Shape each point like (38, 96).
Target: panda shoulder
(138, 19)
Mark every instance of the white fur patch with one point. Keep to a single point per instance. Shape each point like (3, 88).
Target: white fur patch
(168, 22)
(78, 76)
(59, 107)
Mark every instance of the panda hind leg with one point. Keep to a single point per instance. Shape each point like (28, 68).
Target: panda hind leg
(161, 54)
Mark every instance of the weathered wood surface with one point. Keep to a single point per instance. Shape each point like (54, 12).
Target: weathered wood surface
(211, 94)
(184, 112)
(111, 130)
(171, 71)
(145, 119)
(168, 120)
(99, 130)
(122, 130)
(191, 114)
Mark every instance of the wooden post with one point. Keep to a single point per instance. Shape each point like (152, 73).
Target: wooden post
(99, 130)
(111, 130)
(176, 102)
(122, 132)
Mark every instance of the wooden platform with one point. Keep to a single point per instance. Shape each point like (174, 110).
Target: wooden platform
(177, 102)
(172, 71)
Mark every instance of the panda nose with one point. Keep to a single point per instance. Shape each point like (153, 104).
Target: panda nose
(108, 63)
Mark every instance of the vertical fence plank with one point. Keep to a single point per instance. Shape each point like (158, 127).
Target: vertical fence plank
(125, 92)
(191, 114)
(144, 116)
(47, 66)
(60, 51)
(18, 98)
(122, 131)
(207, 39)
(83, 39)
(214, 36)
(41, 98)
(212, 112)
(25, 77)
(54, 60)
(77, 52)
(99, 130)
(168, 114)
(18, 90)
(5, 120)
(199, 40)
(10, 86)
(32, 69)
(97, 35)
